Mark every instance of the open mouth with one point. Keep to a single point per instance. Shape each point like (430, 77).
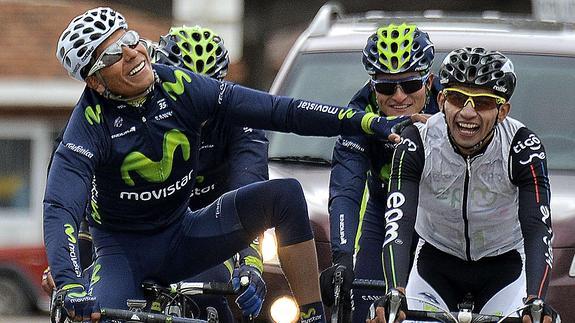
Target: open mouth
(400, 106)
(467, 129)
(138, 68)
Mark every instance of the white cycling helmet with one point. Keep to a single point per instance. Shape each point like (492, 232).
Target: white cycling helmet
(84, 33)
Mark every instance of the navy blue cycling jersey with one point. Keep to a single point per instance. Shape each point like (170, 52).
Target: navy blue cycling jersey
(230, 157)
(140, 163)
(357, 159)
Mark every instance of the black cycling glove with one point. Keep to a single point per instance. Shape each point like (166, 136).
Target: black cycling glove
(343, 267)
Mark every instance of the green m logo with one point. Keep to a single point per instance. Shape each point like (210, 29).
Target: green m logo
(151, 171)
(177, 87)
(69, 230)
(93, 116)
(347, 113)
(309, 313)
(95, 275)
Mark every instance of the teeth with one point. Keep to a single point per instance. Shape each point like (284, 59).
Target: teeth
(137, 68)
(467, 125)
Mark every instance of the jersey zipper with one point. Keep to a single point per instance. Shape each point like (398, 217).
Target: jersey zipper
(464, 208)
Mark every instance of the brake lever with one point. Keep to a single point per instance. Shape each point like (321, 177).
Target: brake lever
(537, 311)
(394, 303)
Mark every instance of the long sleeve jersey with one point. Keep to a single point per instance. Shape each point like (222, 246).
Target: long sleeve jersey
(358, 160)
(470, 206)
(137, 166)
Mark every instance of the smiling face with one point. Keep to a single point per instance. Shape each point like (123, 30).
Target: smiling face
(467, 125)
(130, 76)
(400, 102)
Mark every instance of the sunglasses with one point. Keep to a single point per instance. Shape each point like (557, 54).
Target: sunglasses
(479, 101)
(113, 53)
(408, 86)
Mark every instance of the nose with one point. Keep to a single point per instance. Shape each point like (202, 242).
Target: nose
(399, 95)
(468, 111)
(129, 52)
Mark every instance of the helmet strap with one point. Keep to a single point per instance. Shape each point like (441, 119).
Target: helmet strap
(136, 100)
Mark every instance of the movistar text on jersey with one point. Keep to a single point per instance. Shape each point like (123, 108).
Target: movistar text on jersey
(317, 107)
(159, 193)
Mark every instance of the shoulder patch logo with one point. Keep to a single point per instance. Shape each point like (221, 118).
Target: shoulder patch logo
(93, 116)
(176, 88)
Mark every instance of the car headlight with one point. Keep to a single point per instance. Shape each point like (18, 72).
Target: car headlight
(284, 310)
(270, 248)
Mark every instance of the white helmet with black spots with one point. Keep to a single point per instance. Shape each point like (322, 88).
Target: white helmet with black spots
(83, 35)
(481, 68)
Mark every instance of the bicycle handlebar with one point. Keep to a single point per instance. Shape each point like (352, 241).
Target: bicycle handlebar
(144, 317)
(427, 316)
(193, 288)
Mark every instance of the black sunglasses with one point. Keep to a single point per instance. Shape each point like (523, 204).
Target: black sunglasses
(408, 86)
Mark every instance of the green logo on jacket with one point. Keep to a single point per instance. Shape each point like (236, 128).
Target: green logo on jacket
(176, 88)
(93, 116)
(156, 171)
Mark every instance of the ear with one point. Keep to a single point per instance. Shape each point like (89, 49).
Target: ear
(429, 82)
(95, 84)
(503, 111)
(440, 100)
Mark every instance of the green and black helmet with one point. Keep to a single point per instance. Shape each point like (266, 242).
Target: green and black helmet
(396, 49)
(195, 48)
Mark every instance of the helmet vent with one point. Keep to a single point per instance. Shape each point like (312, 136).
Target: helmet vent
(74, 37)
(394, 34)
(200, 66)
(210, 60)
(199, 50)
(100, 25)
(206, 34)
(176, 50)
(209, 47)
(196, 37)
(474, 59)
(394, 47)
(218, 51)
(186, 46)
(471, 72)
(82, 51)
(95, 36)
(88, 30)
(187, 58)
(394, 62)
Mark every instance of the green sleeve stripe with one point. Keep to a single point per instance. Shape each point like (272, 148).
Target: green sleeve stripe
(362, 209)
(229, 265)
(384, 273)
(399, 174)
(254, 262)
(392, 265)
(366, 121)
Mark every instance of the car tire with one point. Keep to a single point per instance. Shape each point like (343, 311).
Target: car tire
(13, 298)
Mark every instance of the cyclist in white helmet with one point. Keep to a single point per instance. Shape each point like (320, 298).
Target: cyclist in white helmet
(131, 148)
(473, 184)
(230, 157)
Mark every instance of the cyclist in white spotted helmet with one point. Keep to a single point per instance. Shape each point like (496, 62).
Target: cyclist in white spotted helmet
(138, 174)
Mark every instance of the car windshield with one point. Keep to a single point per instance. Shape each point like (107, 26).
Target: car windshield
(543, 100)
